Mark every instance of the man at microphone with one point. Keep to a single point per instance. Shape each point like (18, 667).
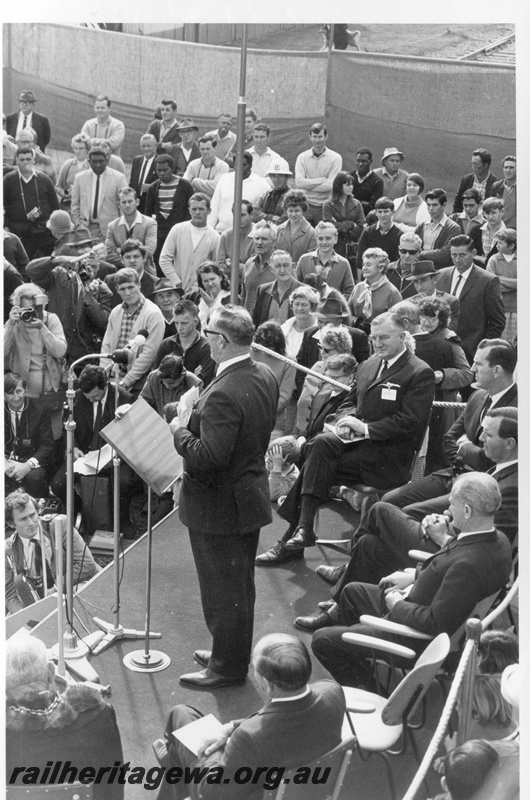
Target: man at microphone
(134, 314)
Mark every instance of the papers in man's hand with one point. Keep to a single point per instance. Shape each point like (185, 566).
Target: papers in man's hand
(333, 429)
(186, 404)
(200, 730)
(94, 461)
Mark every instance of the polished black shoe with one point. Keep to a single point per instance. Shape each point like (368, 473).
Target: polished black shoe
(208, 679)
(311, 624)
(331, 575)
(160, 751)
(202, 657)
(278, 555)
(302, 537)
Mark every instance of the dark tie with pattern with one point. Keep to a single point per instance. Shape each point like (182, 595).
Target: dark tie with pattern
(94, 444)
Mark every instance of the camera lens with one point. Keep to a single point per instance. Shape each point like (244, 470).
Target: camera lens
(28, 314)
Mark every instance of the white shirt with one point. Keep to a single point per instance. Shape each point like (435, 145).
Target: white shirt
(229, 361)
(20, 123)
(456, 275)
(503, 465)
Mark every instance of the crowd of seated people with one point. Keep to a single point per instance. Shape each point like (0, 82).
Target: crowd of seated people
(355, 274)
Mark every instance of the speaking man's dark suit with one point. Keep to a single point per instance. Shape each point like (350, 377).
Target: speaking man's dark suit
(34, 439)
(286, 734)
(386, 533)
(481, 308)
(134, 180)
(438, 483)
(396, 429)
(447, 588)
(225, 500)
(467, 183)
(39, 123)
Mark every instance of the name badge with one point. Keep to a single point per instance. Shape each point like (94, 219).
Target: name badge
(388, 394)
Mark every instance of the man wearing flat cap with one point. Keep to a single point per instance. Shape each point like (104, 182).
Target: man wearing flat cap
(27, 117)
(423, 275)
(394, 178)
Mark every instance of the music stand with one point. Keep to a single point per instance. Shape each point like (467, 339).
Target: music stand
(143, 439)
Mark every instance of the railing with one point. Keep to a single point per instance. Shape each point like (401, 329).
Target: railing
(465, 671)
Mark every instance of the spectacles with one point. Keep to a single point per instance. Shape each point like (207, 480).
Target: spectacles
(408, 252)
(216, 333)
(325, 349)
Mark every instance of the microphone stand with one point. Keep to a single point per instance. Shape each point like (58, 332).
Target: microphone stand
(115, 630)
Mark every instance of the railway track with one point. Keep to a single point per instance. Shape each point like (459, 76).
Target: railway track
(499, 52)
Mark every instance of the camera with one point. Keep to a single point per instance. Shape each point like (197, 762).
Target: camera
(84, 272)
(28, 314)
(34, 214)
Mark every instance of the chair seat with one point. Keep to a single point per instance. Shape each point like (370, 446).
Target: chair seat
(370, 730)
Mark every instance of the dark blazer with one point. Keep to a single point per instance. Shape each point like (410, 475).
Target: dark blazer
(396, 427)
(469, 422)
(481, 308)
(507, 517)
(179, 158)
(84, 416)
(39, 123)
(440, 255)
(429, 350)
(325, 404)
(134, 181)
(264, 298)
(225, 487)
(172, 135)
(467, 183)
(287, 734)
(452, 581)
(179, 212)
(35, 439)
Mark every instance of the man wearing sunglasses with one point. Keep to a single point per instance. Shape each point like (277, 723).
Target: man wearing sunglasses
(225, 499)
(399, 271)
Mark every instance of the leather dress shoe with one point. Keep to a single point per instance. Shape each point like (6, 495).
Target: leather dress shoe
(278, 555)
(331, 575)
(302, 537)
(208, 679)
(160, 750)
(311, 624)
(202, 657)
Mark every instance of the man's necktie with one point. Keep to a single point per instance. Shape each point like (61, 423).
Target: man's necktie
(142, 174)
(382, 368)
(457, 285)
(129, 232)
(485, 408)
(24, 122)
(94, 444)
(96, 199)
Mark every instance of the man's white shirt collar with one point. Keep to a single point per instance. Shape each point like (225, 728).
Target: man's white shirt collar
(229, 361)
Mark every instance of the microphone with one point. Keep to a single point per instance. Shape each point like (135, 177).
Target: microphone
(128, 354)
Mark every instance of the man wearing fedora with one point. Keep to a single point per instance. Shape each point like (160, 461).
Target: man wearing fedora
(27, 117)
(423, 276)
(131, 225)
(79, 299)
(203, 173)
(166, 297)
(188, 150)
(394, 179)
(271, 206)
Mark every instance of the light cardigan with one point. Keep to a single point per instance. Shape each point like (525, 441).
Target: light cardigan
(179, 261)
(151, 318)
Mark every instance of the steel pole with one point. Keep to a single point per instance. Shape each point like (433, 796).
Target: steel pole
(238, 188)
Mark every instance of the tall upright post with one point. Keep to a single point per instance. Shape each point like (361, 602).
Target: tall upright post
(238, 193)
(327, 95)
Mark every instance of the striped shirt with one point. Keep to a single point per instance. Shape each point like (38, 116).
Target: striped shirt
(166, 195)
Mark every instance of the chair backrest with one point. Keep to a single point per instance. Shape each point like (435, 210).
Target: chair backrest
(408, 694)
(480, 611)
(328, 770)
(60, 791)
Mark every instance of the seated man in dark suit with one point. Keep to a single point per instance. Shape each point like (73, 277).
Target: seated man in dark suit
(494, 365)
(28, 440)
(443, 593)
(386, 534)
(94, 405)
(395, 390)
(299, 723)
